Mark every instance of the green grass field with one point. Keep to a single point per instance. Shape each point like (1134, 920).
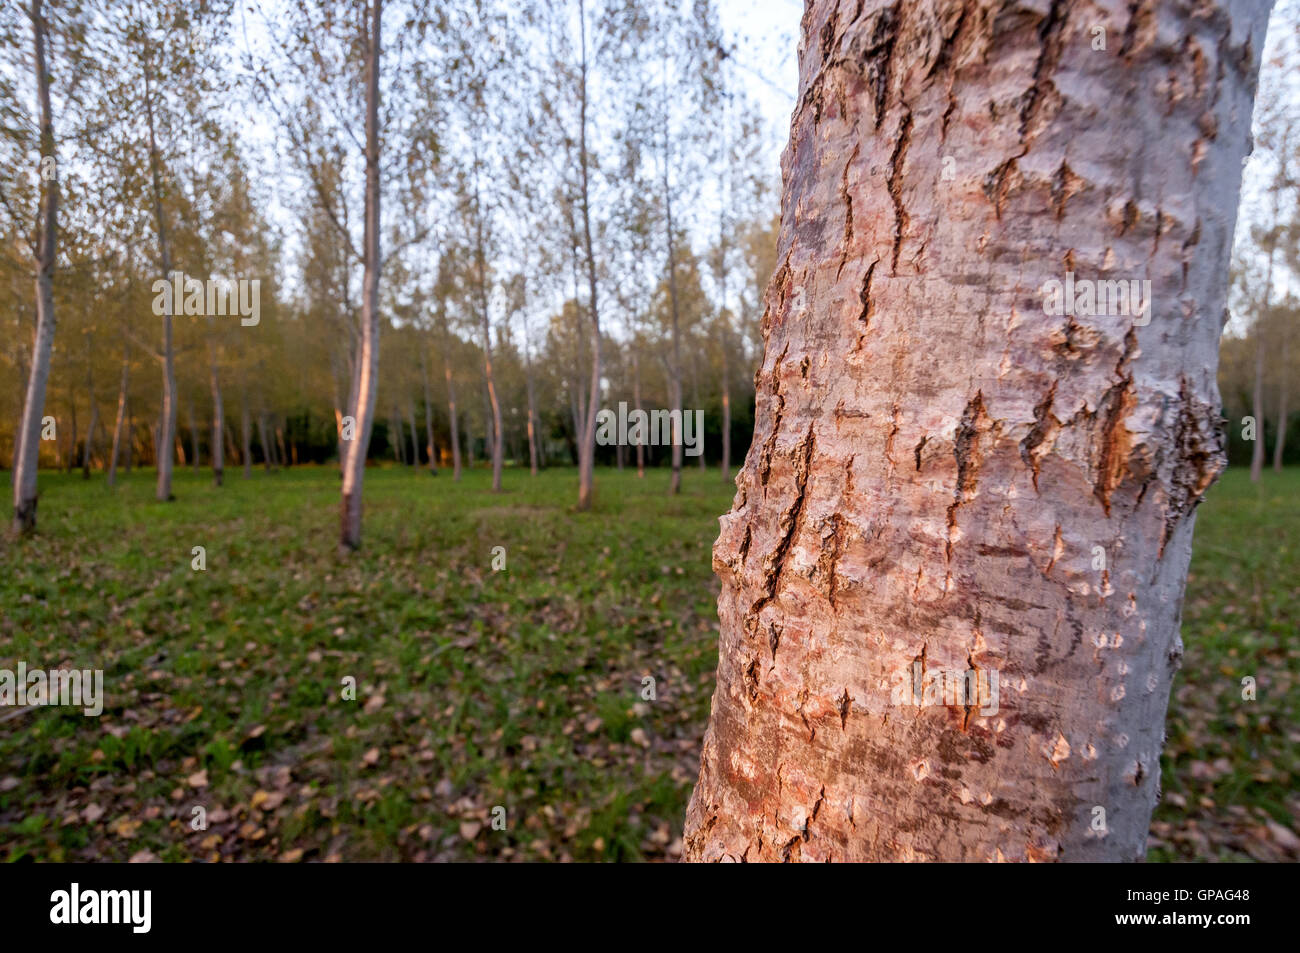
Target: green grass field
(475, 689)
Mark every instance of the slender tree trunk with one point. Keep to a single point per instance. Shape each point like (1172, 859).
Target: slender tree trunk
(121, 416)
(695, 400)
(918, 505)
(88, 449)
(587, 444)
(28, 451)
(1257, 397)
(636, 400)
(495, 446)
(246, 433)
(268, 458)
(532, 404)
(368, 358)
(228, 435)
(1283, 371)
(675, 377)
(94, 409)
(725, 466)
(167, 424)
(430, 446)
(130, 438)
(454, 420)
(70, 455)
(415, 437)
(218, 419)
(194, 431)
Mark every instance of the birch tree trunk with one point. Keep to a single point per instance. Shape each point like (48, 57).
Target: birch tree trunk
(167, 424)
(675, 375)
(121, 415)
(725, 465)
(368, 359)
(415, 436)
(218, 418)
(430, 445)
(455, 423)
(194, 431)
(28, 450)
(268, 453)
(245, 433)
(944, 477)
(89, 448)
(1284, 369)
(636, 401)
(587, 436)
(493, 414)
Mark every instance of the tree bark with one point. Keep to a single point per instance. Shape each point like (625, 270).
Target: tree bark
(494, 444)
(1279, 443)
(636, 401)
(218, 419)
(28, 451)
(368, 359)
(163, 491)
(430, 445)
(675, 376)
(939, 463)
(587, 438)
(725, 465)
(245, 433)
(415, 435)
(121, 415)
(268, 453)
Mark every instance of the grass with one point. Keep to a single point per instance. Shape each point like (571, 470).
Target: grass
(519, 696)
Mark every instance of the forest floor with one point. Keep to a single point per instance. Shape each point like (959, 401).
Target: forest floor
(477, 689)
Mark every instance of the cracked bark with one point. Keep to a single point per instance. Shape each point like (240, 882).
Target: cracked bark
(936, 458)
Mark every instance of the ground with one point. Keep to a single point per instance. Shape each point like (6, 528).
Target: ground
(523, 689)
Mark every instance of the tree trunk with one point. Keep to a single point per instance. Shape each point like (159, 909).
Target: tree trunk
(167, 425)
(636, 400)
(368, 359)
(415, 437)
(1257, 397)
(267, 453)
(88, 449)
(1279, 442)
(218, 419)
(494, 444)
(530, 391)
(28, 451)
(246, 433)
(587, 438)
(455, 423)
(725, 466)
(121, 415)
(194, 431)
(430, 446)
(130, 438)
(940, 465)
(675, 375)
